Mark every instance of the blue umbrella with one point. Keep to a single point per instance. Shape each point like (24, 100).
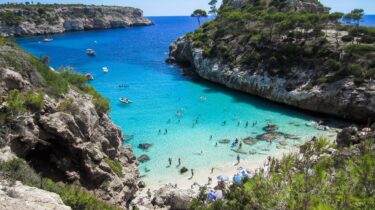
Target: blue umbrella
(238, 179)
(223, 178)
(211, 196)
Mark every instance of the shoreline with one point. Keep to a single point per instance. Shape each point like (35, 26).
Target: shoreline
(201, 175)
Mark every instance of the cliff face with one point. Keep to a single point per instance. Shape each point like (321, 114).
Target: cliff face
(67, 139)
(342, 98)
(249, 48)
(49, 19)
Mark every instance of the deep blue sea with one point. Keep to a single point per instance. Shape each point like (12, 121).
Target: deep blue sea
(135, 57)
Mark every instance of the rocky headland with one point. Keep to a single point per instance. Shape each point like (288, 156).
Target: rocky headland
(60, 126)
(307, 71)
(22, 20)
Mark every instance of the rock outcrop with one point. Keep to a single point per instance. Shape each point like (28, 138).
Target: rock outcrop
(342, 98)
(173, 197)
(78, 144)
(49, 19)
(21, 197)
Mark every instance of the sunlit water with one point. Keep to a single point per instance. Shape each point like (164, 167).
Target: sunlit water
(135, 57)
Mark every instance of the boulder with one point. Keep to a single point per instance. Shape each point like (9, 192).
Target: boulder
(173, 198)
(348, 136)
(22, 197)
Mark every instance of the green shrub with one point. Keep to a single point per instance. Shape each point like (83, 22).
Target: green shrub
(34, 101)
(16, 102)
(73, 196)
(347, 38)
(10, 18)
(115, 166)
(68, 106)
(321, 80)
(359, 49)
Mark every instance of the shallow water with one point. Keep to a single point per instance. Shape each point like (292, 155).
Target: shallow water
(136, 57)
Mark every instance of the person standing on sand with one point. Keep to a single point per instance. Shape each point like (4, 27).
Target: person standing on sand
(240, 145)
(179, 161)
(212, 170)
(209, 180)
(238, 159)
(149, 193)
(192, 173)
(170, 161)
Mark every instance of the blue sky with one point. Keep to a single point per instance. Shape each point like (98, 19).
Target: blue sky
(185, 7)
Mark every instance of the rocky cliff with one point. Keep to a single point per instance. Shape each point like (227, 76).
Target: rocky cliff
(17, 20)
(59, 130)
(239, 51)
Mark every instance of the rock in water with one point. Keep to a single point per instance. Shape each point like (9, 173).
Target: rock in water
(183, 170)
(249, 140)
(270, 128)
(143, 158)
(144, 146)
(224, 141)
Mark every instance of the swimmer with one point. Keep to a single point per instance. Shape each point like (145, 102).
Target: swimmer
(240, 145)
(159, 131)
(224, 123)
(247, 124)
(216, 144)
(165, 132)
(178, 122)
(170, 161)
(179, 161)
(238, 159)
(211, 137)
(239, 123)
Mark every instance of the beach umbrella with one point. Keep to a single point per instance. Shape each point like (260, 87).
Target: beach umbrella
(223, 178)
(238, 179)
(211, 196)
(219, 194)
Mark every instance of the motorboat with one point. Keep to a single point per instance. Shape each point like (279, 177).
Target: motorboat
(105, 69)
(47, 39)
(125, 100)
(89, 76)
(90, 52)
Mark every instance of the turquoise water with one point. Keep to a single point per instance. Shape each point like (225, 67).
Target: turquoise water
(136, 57)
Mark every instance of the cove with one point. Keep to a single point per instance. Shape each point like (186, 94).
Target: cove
(135, 57)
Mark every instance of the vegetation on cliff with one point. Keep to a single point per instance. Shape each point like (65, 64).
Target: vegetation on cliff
(321, 176)
(54, 84)
(73, 196)
(279, 35)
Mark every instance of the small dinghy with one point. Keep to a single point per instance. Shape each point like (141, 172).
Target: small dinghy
(90, 52)
(125, 100)
(89, 76)
(47, 39)
(105, 69)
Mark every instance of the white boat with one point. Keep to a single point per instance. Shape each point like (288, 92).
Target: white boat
(47, 39)
(125, 100)
(105, 69)
(90, 52)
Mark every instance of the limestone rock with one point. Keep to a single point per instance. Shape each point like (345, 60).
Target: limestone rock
(173, 197)
(342, 98)
(71, 18)
(22, 197)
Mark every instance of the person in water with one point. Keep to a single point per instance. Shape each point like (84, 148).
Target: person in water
(247, 124)
(224, 122)
(240, 145)
(165, 132)
(159, 131)
(216, 144)
(179, 161)
(170, 161)
(192, 173)
(238, 159)
(211, 137)
(236, 141)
